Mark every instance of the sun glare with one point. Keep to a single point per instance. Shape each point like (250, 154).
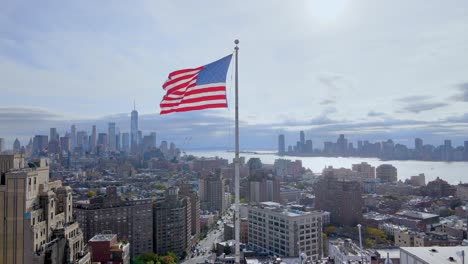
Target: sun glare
(327, 10)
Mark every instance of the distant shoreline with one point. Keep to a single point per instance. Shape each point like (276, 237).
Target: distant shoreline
(299, 155)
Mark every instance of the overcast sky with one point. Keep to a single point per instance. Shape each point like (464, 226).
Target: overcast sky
(369, 69)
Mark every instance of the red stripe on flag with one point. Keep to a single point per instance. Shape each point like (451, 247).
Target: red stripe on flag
(181, 94)
(182, 87)
(172, 74)
(195, 100)
(172, 81)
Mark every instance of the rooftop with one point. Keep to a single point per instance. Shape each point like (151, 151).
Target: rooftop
(103, 237)
(394, 253)
(436, 254)
(416, 214)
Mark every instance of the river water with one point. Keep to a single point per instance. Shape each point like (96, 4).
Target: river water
(452, 172)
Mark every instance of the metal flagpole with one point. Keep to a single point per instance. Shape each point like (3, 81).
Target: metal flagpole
(236, 164)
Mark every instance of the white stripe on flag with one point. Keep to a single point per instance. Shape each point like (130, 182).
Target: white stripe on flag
(207, 102)
(184, 74)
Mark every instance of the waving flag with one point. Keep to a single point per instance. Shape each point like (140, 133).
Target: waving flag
(196, 89)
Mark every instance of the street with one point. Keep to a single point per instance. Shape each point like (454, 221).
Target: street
(214, 236)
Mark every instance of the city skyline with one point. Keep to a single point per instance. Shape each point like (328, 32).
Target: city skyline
(178, 134)
(343, 80)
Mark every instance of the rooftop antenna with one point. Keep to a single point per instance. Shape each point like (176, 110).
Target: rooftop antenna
(134, 108)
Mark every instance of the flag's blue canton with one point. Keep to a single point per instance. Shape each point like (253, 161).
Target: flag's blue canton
(214, 72)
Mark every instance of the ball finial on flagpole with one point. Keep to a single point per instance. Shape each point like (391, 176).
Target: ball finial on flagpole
(236, 41)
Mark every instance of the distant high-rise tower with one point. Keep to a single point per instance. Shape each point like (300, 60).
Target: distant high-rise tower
(281, 145)
(342, 144)
(93, 139)
(53, 134)
(302, 138)
(112, 139)
(447, 150)
(102, 143)
(153, 137)
(40, 144)
(81, 140)
(134, 130)
(2, 144)
(465, 150)
(65, 144)
(418, 144)
(16, 146)
(125, 142)
(73, 137)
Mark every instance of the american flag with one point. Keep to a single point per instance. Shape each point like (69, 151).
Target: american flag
(196, 89)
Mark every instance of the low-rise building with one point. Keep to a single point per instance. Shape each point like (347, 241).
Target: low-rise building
(390, 228)
(106, 249)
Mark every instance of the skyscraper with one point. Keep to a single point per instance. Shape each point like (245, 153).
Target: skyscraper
(93, 139)
(118, 141)
(2, 144)
(65, 144)
(112, 138)
(16, 147)
(81, 140)
(153, 137)
(40, 144)
(342, 145)
(102, 143)
(125, 142)
(73, 137)
(302, 138)
(53, 134)
(281, 145)
(447, 150)
(134, 130)
(418, 144)
(465, 150)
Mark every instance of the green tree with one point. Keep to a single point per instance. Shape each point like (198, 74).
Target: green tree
(368, 243)
(146, 258)
(159, 186)
(300, 185)
(168, 260)
(174, 256)
(376, 235)
(91, 193)
(330, 229)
